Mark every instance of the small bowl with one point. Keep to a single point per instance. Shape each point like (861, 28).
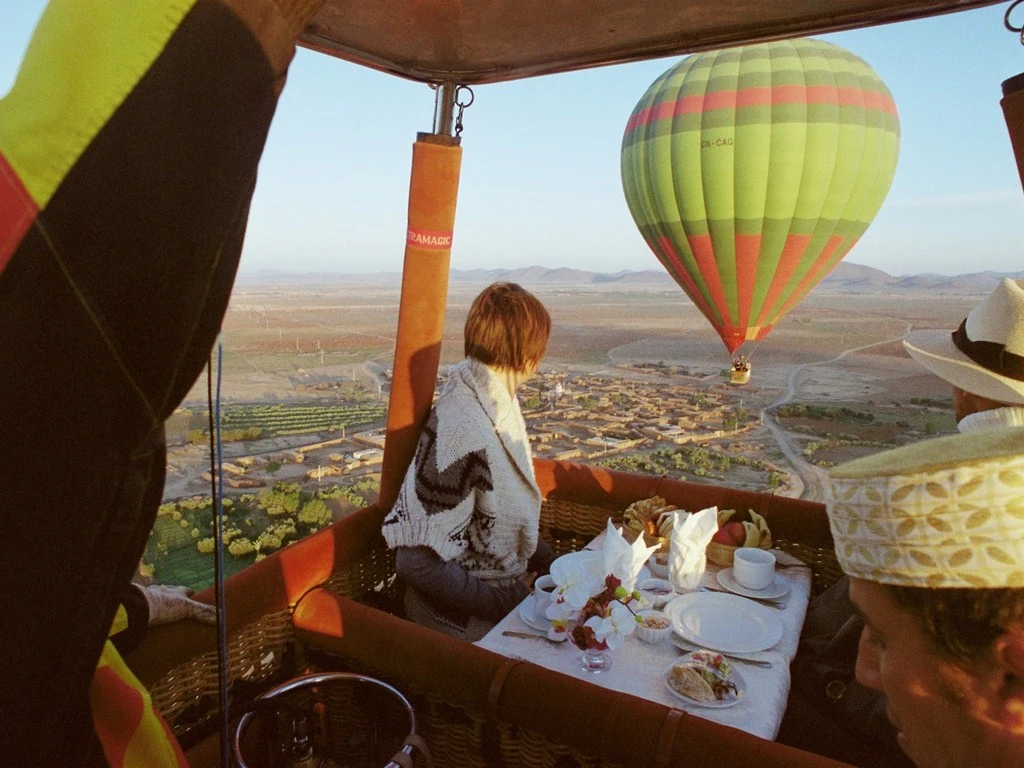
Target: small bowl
(653, 634)
(657, 564)
(656, 591)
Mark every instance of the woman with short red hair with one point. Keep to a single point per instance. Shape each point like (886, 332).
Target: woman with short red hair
(465, 524)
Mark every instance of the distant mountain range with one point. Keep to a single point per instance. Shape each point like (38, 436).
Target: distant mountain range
(846, 278)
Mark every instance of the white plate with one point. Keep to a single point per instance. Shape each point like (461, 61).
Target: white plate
(777, 588)
(592, 558)
(723, 622)
(528, 615)
(729, 701)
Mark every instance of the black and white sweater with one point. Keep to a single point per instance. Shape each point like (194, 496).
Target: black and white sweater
(470, 494)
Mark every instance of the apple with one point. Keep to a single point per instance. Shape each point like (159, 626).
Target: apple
(731, 534)
(722, 536)
(737, 532)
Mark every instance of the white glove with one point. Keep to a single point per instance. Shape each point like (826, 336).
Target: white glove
(167, 604)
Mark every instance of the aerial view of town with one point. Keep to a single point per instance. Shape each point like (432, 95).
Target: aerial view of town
(633, 379)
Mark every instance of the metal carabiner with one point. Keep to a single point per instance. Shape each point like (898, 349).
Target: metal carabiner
(460, 102)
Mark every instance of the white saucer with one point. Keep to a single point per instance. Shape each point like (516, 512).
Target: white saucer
(777, 588)
(528, 615)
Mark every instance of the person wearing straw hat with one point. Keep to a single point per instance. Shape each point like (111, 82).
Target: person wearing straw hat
(983, 359)
(932, 538)
(828, 711)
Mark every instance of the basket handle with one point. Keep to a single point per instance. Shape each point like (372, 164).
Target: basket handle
(403, 759)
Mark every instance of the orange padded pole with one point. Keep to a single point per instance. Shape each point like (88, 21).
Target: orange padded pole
(1013, 110)
(433, 192)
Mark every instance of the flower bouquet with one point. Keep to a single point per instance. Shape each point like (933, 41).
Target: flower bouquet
(592, 597)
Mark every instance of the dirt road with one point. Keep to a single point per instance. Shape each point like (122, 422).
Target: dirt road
(811, 478)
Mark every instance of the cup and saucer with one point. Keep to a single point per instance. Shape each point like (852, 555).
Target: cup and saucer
(753, 574)
(533, 609)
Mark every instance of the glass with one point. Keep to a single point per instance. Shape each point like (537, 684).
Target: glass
(595, 659)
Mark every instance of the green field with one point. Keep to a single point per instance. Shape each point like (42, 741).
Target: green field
(282, 420)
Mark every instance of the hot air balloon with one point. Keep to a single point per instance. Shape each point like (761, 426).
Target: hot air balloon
(752, 171)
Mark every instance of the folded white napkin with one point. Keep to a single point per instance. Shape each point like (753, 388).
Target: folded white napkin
(622, 558)
(690, 536)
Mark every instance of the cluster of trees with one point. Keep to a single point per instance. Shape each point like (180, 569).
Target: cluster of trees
(733, 421)
(834, 442)
(931, 402)
(254, 524)
(694, 460)
(226, 435)
(280, 499)
(360, 493)
(829, 412)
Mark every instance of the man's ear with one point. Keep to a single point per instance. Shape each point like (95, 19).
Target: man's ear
(1009, 655)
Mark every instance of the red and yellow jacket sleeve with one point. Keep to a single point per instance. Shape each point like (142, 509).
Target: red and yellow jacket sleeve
(129, 146)
(132, 733)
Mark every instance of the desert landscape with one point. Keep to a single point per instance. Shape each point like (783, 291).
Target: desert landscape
(634, 378)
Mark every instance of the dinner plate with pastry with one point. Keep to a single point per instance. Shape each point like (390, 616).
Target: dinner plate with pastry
(705, 679)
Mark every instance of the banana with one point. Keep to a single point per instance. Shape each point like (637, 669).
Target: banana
(765, 539)
(753, 535)
(650, 516)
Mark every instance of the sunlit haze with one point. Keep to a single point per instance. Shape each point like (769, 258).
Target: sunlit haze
(540, 175)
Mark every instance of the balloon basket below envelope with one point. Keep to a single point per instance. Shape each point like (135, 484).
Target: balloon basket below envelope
(740, 372)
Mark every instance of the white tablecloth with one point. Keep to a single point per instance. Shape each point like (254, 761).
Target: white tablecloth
(639, 668)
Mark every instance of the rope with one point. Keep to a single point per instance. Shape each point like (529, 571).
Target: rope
(216, 483)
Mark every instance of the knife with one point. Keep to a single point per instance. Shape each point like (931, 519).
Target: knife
(683, 645)
(762, 600)
(530, 636)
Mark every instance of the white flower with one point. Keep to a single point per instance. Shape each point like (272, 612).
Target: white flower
(577, 580)
(612, 629)
(561, 610)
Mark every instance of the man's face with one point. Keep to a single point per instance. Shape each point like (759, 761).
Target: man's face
(965, 403)
(941, 710)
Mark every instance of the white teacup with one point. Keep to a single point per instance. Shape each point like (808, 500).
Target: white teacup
(753, 568)
(543, 592)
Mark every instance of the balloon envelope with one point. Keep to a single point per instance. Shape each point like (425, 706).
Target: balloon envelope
(752, 171)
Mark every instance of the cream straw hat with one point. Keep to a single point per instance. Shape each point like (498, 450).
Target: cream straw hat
(947, 512)
(985, 355)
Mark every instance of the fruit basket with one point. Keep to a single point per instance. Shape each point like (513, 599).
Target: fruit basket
(735, 530)
(652, 519)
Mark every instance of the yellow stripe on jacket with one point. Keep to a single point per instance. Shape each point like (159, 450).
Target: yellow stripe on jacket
(132, 733)
(46, 122)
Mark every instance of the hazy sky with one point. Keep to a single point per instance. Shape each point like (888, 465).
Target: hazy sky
(540, 174)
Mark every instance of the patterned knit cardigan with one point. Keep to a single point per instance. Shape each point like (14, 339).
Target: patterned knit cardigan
(470, 493)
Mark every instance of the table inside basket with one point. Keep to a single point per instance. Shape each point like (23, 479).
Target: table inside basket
(640, 668)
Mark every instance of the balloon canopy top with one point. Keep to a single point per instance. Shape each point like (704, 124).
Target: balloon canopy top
(486, 41)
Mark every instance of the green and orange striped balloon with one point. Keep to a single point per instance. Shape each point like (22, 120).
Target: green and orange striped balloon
(752, 171)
